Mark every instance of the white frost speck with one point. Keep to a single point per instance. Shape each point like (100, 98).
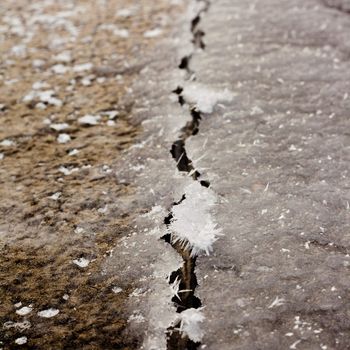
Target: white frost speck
(82, 67)
(277, 302)
(192, 224)
(73, 152)
(294, 345)
(48, 313)
(64, 57)
(40, 85)
(122, 33)
(136, 317)
(81, 262)
(153, 33)
(63, 138)
(89, 119)
(116, 290)
(55, 196)
(2, 156)
(7, 143)
(25, 310)
(21, 340)
(126, 12)
(67, 171)
(190, 321)
(110, 122)
(204, 97)
(79, 230)
(59, 68)
(59, 126)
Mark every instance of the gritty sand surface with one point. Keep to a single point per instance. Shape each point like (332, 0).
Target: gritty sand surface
(61, 61)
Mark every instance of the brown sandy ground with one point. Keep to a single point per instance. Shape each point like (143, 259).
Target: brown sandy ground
(61, 61)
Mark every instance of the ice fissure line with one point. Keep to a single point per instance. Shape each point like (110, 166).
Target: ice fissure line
(185, 277)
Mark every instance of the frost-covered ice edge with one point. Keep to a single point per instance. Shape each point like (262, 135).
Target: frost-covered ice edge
(191, 227)
(170, 110)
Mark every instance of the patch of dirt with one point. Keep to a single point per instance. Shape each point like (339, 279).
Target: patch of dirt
(61, 204)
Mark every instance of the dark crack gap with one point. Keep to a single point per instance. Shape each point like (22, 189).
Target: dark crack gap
(186, 275)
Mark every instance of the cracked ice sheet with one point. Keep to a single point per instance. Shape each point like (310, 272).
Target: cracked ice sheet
(142, 256)
(265, 283)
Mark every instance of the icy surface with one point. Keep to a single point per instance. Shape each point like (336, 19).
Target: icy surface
(278, 158)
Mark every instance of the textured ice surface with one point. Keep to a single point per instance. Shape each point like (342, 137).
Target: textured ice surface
(278, 158)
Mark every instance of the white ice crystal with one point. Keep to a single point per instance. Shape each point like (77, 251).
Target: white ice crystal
(56, 196)
(190, 321)
(116, 290)
(46, 96)
(82, 67)
(63, 138)
(64, 57)
(48, 313)
(205, 98)
(59, 68)
(38, 85)
(82, 262)
(125, 12)
(89, 119)
(21, 340)
(2, 156)
(67, 171)
(25, 310)
(192, 223)
(73, 152)
(59, 126)
(153, 33)
(7, 143)
(123, 33)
